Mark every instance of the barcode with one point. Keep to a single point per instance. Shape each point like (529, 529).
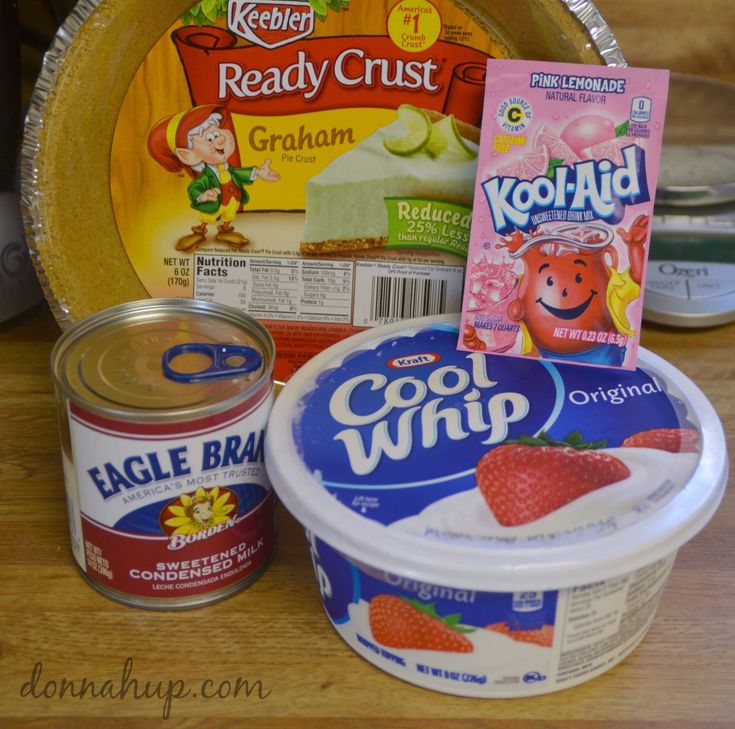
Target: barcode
(403, 298)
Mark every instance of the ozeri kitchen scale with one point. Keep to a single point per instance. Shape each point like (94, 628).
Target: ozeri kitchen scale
(690, 280)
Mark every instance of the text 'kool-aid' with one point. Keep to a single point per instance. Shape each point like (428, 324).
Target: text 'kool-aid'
(566, 177)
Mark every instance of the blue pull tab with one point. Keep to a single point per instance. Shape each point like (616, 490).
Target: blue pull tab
(248, 360)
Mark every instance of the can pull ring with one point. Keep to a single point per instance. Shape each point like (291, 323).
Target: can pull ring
(228, 360)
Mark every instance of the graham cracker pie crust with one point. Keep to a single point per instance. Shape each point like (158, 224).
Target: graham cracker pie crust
(66, 197)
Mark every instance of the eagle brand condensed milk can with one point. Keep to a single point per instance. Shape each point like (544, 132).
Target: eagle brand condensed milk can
(163, 406)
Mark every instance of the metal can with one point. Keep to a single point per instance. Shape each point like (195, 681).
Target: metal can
(163, 405)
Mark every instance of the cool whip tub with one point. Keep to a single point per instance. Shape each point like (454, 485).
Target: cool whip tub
(490, 526)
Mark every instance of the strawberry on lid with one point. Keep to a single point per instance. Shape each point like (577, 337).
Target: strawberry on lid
(493, 473)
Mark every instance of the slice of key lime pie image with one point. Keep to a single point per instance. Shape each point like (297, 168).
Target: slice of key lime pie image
(421, 155)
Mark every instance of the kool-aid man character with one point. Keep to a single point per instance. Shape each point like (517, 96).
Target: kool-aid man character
(571, 299)
(199, 141)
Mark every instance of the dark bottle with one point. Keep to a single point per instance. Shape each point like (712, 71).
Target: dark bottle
(18, 285)
(9, 93)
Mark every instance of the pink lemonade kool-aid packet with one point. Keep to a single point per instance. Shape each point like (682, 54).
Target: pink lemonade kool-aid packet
(561, 225)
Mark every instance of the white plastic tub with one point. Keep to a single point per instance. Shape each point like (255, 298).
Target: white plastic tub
(374, 447)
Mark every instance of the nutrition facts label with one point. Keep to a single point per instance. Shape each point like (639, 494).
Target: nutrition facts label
(606, 620)
(361, 293)
(294, 289)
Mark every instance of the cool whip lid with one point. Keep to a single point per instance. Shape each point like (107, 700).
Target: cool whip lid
(451, 467)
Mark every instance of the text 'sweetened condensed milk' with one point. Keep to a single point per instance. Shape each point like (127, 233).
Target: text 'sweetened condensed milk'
(163, 408)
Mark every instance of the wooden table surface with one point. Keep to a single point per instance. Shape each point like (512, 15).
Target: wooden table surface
(275, 632)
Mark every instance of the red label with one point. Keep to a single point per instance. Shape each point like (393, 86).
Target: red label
(199, 426)
(163, 567)
(325, 73)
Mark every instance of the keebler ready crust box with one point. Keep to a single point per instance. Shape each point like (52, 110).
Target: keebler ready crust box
(311, 164)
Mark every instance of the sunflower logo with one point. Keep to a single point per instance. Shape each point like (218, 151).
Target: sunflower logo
(202, 509)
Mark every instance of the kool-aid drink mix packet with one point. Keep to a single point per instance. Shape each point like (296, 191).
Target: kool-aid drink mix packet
(566, 177)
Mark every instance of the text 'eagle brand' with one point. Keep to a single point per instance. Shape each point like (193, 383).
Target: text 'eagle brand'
(111, 478)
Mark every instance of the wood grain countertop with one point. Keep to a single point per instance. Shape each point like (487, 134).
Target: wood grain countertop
(275, 632)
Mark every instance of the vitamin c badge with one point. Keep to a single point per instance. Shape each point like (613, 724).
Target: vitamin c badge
(514, 114)
(414, 25)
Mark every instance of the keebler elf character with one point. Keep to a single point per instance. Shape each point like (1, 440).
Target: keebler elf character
(569, 284)
(199, 142)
